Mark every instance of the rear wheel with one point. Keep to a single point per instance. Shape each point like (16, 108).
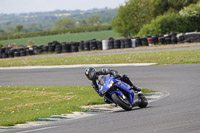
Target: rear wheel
(122, 101)
(144, 101)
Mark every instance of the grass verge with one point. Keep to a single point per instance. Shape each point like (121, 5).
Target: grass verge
(162, 58)
(21, 104)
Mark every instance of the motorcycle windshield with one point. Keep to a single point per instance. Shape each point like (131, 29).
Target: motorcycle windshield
(102, 80)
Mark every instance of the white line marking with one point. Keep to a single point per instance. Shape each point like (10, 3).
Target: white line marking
(78, 66)
(39, 129)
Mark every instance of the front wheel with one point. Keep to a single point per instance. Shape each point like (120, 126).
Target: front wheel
(123, 102)
(144, 101)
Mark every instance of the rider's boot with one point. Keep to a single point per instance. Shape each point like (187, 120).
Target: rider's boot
(136, 88)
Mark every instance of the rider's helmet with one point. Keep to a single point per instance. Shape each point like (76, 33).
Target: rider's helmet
(90, 73)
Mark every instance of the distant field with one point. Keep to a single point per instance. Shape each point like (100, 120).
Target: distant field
(43, 40)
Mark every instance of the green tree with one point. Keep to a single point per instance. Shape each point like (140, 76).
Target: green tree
(192, 16)
(64, 23)
(164, 24)
(177, 5)
(82, 23)
(132, 16)
(94, 20)
(19, 28)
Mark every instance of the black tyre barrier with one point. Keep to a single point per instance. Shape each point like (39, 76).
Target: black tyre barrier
(128, 43)
(181, 39)
(174, 40)
(155, 39)
(138, 42)
(144, 41)
(111, 44)
(86, 45)
(122, 43)
(11, 53)
(58, 48)
(45, 48)
(168, 39)
(93, 45)
(29, 51)
(66, 47)
(4, 55)
(16, 54)
(22, 52)
(74, 47)
(117, 44)
(99, 45)
(162, 40)
(81, 46)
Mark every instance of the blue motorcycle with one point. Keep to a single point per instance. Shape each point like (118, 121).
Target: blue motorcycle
(119, 93)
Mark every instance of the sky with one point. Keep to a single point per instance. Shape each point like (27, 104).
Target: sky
(25, 6)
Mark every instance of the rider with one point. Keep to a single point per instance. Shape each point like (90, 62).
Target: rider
(93, 75)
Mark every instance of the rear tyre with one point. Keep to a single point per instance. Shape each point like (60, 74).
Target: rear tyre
(122, 102)
(144, 101)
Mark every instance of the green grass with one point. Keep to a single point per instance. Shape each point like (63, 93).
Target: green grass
(162, 58)
(21, 104)
(43, 40)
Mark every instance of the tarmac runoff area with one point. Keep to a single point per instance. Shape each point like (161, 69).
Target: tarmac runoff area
(78, 66)
(90, 110)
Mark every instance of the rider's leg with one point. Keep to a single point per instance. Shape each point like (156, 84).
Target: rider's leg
(126, 79)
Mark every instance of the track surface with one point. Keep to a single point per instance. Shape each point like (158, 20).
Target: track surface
(178, 113)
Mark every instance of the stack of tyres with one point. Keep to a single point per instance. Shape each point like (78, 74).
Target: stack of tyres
(111, 44)
(11, 53)
(155, 39)
(99, 45)
(162, 40)
(144, 41)
(128, 43)
(29, 51)
(17, 53)
(150, 41)
(0, 53)
(86, 45)
(22, 52)
(45, 48)
(168, 39)
(58, 48)
(122, 43)
(3, 53)
(93, 45)
(51, 47)
(66, 47)
(117, 44)
(181, 38)
(81, 46)
(74, 46)
(174, 39)
(138, 41)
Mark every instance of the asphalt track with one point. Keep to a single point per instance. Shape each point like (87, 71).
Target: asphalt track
(177, 113)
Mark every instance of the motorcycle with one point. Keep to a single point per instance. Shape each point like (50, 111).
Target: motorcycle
(119, 93)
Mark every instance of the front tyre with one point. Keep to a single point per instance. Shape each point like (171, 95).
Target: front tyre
(123, 102)
(144, 101)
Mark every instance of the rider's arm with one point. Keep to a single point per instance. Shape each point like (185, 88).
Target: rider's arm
(95, 86)
(106, 71)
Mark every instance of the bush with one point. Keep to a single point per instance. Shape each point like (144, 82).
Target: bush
(192, 16)
(1, 45)
(187, 20)
(165, 24)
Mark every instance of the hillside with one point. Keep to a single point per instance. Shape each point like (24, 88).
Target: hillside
(41, 21)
